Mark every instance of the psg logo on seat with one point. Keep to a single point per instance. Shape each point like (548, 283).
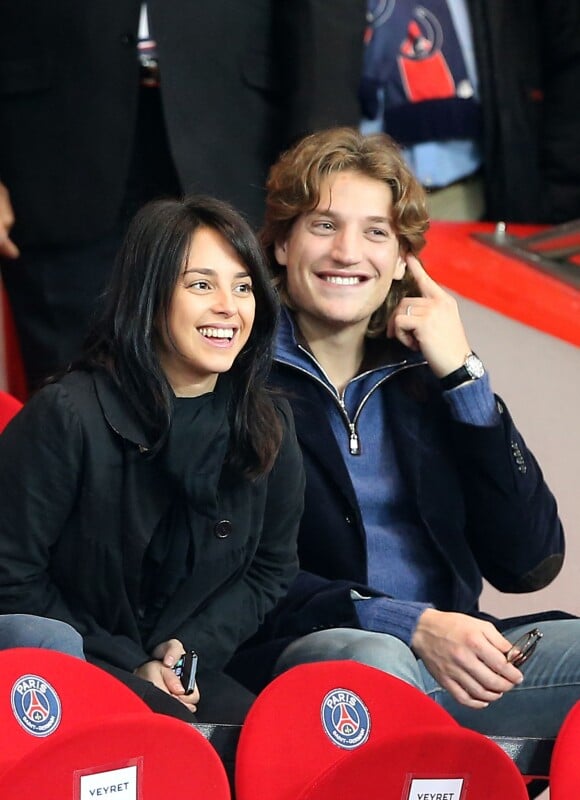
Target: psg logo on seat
(36, 705)
(345, 719)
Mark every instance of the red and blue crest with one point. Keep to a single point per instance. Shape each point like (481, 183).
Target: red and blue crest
(36, 705)
(345, 719)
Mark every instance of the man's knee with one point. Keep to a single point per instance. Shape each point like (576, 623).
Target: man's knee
(384, 652)
(379, 650)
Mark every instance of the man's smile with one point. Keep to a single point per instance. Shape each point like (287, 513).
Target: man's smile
(343, 279)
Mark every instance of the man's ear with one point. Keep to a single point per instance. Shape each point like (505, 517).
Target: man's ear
(400, 268)
(281, 253)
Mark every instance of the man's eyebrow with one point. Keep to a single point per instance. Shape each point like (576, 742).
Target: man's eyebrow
(321, 212)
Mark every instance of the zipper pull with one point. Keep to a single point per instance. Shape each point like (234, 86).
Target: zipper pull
(354, 444)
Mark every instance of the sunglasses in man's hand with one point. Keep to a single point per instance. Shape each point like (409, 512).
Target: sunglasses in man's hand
(523, 649)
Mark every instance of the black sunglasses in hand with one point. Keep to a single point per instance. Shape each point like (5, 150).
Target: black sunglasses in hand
(523, 649)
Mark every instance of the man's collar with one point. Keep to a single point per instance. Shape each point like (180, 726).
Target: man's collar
(379, 352)
(286, 341)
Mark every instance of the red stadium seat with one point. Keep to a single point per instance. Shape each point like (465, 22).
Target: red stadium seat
(9, 406)
(140, 756)
(446, 763)
(44, 695)
(70, 730)
(340, 729)
(311, 716)
(565, 765)
(10, 357)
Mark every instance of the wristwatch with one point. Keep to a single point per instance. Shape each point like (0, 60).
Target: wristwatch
(471, 370)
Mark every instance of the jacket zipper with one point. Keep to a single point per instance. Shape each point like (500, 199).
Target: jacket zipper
(354, 444)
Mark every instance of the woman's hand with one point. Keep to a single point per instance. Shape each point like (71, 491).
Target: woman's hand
(160, 672)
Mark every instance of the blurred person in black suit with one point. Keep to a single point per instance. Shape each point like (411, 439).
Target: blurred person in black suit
(104, 106)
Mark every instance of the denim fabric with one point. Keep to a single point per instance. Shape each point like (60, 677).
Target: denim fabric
(536, 708)
(25, 630)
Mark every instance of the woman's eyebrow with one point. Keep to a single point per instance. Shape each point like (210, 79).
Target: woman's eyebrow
(200, 270)
(213, 272)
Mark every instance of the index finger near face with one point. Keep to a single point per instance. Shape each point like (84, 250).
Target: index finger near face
(424, 281)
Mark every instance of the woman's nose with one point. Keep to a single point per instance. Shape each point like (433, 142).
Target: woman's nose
(225, 303)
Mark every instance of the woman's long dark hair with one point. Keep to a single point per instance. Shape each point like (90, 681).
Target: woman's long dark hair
(137, 301)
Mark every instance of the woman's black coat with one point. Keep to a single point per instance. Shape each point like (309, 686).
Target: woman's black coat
(81, 498)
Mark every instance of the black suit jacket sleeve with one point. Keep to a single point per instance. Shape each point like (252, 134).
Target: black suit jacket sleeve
(314, 603)
(512, 522)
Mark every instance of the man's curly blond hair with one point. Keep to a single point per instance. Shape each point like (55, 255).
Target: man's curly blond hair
(293, 188)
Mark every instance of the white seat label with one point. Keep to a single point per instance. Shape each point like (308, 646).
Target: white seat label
(436, 789)
(117, 783)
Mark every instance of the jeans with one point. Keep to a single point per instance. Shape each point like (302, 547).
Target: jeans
(25, 630)
(535, 708)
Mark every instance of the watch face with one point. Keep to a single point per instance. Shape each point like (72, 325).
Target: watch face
(474, 366)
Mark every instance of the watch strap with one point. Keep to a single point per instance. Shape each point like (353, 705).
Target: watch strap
(455, 378)
(463, 374)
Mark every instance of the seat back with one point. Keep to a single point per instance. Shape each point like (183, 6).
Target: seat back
(565, 764)
(135, 756)
(45, 694)
(314, 715)
(448, 763)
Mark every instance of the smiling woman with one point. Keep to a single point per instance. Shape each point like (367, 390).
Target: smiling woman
(210, 317)
(152, 493)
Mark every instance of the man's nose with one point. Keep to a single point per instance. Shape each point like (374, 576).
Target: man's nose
(347, 246)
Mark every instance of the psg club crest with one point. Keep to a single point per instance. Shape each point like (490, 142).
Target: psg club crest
(36, 705)
(345, 719)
